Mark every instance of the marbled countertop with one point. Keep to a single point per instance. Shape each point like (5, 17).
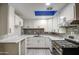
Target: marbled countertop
(16, 39)
(49, 36)
(12, 39)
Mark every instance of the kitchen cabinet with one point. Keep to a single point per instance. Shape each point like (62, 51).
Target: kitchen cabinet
(41, 43)
(32, 42)
(49, 27)
(18, 21)
(38, 42)
(6, 19)
(48, 42)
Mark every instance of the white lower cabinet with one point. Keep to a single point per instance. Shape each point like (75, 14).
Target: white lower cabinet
(38, 42)
(42, 43)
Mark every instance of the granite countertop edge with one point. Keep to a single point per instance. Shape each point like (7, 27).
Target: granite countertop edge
(13, 39)
(21, 37)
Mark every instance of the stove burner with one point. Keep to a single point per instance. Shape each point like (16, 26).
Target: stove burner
(64, 43)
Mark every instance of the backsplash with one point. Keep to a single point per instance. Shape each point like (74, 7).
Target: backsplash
(33, 30)
(17, 30)
(73, 32)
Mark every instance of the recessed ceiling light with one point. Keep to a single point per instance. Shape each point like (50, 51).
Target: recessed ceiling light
(47, 4)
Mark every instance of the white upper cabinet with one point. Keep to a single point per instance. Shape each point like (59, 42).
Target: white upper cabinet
(21, 22)
(49, 25)
(11, 12)
(6, 19)
(18, 21)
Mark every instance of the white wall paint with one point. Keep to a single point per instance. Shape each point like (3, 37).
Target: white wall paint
(67, 12)
(52, 24)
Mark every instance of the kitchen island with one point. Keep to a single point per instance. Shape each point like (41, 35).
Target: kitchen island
(14, 45)
(17, 45)
(41, 41)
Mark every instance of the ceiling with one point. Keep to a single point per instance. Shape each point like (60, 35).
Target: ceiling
(26, 10)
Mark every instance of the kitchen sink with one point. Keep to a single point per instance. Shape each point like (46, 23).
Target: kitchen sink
(37, 36)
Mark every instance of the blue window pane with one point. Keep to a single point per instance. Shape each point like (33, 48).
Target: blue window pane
(45, 13)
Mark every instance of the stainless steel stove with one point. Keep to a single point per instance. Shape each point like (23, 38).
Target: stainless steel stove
(65, 44)
(61, 46)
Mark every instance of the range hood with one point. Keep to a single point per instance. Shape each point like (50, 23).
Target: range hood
(75, 22)
(70, 24)
(76, 15)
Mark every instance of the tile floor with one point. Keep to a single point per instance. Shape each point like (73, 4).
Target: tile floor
(38, 52)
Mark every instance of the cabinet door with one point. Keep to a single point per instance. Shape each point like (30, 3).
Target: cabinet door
(48, 42)
(11, 48)
(21, 22)
(38, 42)
(29, 42)
(10, 19)
(42, 42)
(16, 20)
(23, 47)
(35, 42)
(32, 42)
(49, 25)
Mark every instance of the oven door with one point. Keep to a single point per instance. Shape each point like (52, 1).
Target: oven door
(57, 50)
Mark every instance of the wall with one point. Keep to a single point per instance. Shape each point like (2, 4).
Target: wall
(53, 24)
(68, 12)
